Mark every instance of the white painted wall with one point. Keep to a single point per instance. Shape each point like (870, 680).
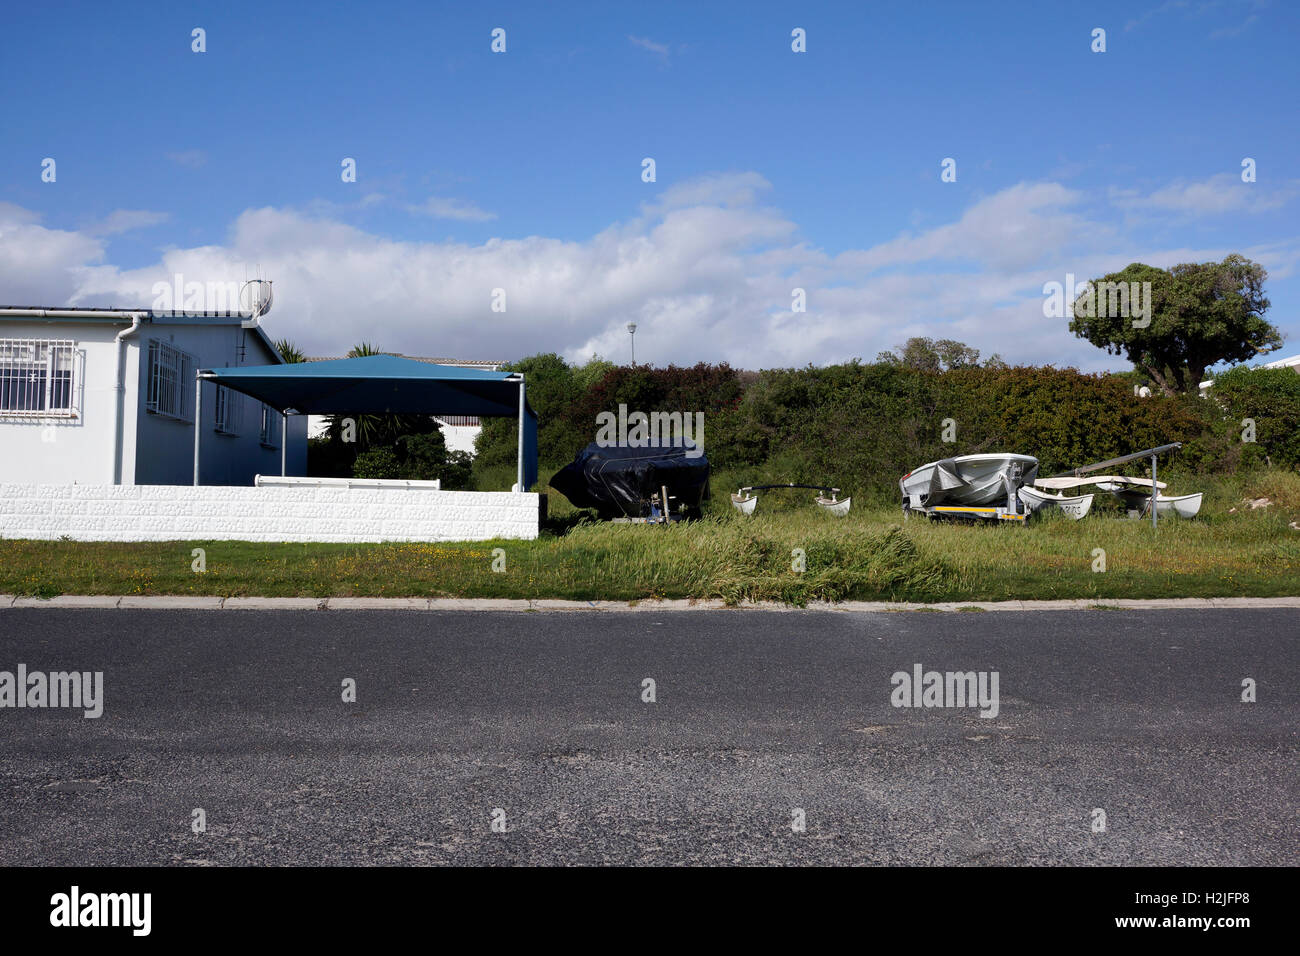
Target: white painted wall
(209, 513)
(155, 449)
(164, 447)
(66, 450)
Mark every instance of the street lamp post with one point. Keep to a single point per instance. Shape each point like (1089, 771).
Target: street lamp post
(631, 329)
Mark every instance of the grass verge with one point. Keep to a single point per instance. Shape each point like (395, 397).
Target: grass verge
(870, 555)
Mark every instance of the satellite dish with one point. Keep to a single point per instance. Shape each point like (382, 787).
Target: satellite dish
(255, 299)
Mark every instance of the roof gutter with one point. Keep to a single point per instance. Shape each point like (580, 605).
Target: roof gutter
(71, 314)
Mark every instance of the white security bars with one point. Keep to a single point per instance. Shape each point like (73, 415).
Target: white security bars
(170, 372)
(38, 378)
(267, 433)
(229, 411)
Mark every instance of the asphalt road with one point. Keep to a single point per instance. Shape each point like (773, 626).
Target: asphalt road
(758, 713)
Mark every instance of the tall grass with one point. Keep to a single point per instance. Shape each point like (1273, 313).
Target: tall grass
(870, 555)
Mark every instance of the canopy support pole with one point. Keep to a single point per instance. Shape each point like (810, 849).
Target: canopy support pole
(520, 470)
(1155, 492)
(198, 418)
(284, 441)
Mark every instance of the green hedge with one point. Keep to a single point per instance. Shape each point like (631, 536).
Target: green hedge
(861, 426)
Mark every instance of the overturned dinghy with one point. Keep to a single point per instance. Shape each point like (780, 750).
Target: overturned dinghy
(1036, 500)
(745, 501)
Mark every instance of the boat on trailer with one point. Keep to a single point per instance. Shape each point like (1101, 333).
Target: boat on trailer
(970, 486)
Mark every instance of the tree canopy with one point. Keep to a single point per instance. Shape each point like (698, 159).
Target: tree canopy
(1200, 314)
(942, 355)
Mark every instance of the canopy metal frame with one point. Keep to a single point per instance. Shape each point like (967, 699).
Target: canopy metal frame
(207, 375)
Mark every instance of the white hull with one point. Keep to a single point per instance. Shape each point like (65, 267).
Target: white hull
(1139, 499)
(1075, 507)
(1185, 506)
(838, 508)
(745, 506)
(967, 480)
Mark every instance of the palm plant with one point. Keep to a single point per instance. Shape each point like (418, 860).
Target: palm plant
(289, 352)
(376, 430)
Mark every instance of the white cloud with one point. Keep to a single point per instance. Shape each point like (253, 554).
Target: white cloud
(40, 266)
(1216, 196)
(124, 220)
(645, 43)
(439, 207)
(706, 270)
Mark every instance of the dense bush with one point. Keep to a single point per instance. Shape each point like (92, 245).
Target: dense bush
(1269, 396)
(417, 457)
(861, 426)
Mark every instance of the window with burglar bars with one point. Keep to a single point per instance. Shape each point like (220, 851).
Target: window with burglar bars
(269, 416)
(38, 377)
(229, 411)
(171, 382)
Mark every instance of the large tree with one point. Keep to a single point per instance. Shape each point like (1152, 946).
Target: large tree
(1200, 314)
(928, 355)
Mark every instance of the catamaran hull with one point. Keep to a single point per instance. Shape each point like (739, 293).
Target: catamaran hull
(1139, 499)
(1035, 500)
(745, 506)
(837, 508)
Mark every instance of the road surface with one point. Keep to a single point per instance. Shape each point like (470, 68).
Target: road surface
(761, 719)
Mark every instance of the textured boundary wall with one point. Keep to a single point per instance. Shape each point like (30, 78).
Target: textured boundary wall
(214, 513)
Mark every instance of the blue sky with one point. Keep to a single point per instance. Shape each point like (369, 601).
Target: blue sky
(522, 170)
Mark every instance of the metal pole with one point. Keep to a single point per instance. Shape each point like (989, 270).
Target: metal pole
(284, 441)
(521, 434)
(1155, 491)
(198, 417)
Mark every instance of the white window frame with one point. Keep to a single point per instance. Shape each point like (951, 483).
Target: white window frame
(268, 432)
(228, 411)
(22, 361)
(169, 382)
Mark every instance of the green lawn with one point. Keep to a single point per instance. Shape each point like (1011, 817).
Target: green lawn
(870, 555)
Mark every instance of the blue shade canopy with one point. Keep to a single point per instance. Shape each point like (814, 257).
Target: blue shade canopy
(385, 384)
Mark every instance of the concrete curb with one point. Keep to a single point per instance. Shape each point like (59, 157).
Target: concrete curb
(181, 602)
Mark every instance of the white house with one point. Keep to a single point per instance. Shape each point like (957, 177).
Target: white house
(107, 397)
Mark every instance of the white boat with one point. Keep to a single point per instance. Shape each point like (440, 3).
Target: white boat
(1185, 506)
(835, 507)
(1134, 492)
(745, 501)
(1035, 499)
(967, 480)
(745, 504)
(1139, 499)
